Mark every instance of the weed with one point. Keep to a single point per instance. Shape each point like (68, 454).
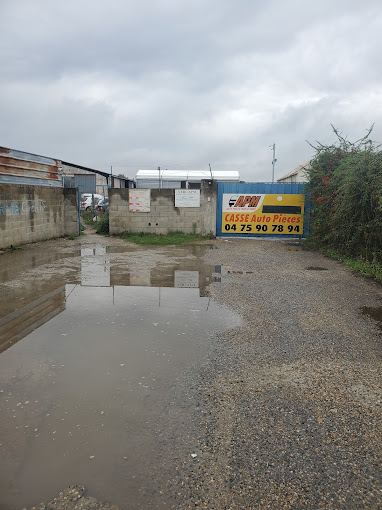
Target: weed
(175, 237)
(102, 225)
(87, 217)
(365, 268)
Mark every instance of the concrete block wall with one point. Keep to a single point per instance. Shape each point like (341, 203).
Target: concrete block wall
(70, 198)
(32, 213)
(164, 216)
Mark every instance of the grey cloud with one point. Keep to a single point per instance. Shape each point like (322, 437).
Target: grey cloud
(187, 83)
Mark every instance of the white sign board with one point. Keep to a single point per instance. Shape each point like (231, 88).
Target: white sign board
(139, 200)
(187, 198)
(186, 279)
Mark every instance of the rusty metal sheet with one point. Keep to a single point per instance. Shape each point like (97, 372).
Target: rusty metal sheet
(22, 165)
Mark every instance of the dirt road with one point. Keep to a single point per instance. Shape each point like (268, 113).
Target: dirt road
(295, 397)
(280, 411)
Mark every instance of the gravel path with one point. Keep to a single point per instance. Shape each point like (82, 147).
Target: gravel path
(290, 404)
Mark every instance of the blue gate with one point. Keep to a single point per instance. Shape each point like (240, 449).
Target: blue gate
(262, 209)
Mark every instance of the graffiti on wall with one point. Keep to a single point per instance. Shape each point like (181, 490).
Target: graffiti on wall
(15, 207)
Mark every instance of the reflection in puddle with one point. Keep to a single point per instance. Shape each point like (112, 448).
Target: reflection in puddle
(23, 310)
(17, 325)
(91, 365)
(374, 313)
(95, 267)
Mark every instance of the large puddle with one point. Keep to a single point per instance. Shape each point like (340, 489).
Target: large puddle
(93, 343)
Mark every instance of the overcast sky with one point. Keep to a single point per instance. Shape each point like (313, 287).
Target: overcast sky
(185, 83)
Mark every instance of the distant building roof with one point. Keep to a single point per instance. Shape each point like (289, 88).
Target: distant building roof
(73, 165)
(296, 175)
(189, 175)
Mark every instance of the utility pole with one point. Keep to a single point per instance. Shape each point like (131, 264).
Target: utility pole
(273, 161)
(210, 170)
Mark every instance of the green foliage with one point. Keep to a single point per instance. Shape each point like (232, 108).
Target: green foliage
(365, 268)
(370, 269)
(345, 185)
(102, 225)
(87, 217)
(175, 237)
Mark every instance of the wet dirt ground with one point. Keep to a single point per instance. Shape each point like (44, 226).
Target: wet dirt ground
(224, 375)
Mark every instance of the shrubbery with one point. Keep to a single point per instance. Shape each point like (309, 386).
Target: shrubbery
(345, 185)
(102, 225)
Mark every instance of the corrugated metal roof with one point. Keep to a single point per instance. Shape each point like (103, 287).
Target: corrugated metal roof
(29, 181)
(72, 165)
(20, 167)
(189, 175)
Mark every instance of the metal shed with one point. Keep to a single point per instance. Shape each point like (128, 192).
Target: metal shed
(176, 179)
(18, 167)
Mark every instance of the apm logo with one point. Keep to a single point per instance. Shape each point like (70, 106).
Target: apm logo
(245, 201)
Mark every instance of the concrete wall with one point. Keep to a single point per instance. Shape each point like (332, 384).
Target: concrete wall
(70, 198)
(35, 213)
(164, 216)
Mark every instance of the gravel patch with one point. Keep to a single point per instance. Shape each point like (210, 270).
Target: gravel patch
(74, 498)
(290, 403)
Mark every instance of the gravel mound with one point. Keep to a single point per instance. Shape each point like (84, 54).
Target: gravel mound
(73, 498)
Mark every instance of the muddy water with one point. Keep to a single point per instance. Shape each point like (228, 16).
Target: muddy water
(374, 313)
(99, 343)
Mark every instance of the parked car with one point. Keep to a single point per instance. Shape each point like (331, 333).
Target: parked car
(103, 205)
(87, 200)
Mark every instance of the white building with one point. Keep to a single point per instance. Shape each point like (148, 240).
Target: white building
(177, 179)
(296, 175)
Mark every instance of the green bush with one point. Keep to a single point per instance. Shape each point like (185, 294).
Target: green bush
(345, 186)
(102, 225)
(87, 217)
